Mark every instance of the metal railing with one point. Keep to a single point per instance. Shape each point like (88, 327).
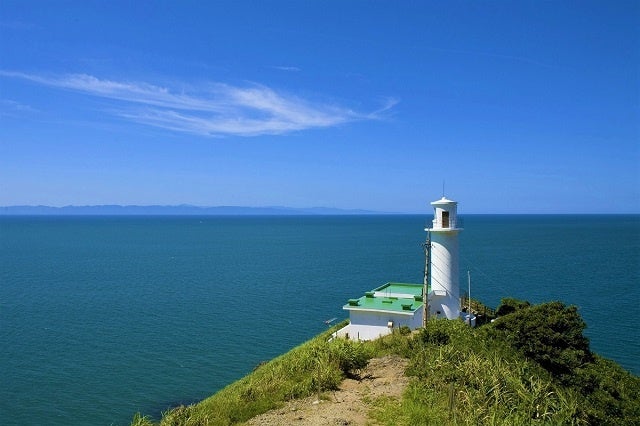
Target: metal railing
(453, 224)
(477, 307)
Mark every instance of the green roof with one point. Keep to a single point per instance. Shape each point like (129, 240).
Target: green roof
(400, 288)
(390, 297)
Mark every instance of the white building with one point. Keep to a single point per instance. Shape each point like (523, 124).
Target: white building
(444, 285)
(379, 311)
(393, 305)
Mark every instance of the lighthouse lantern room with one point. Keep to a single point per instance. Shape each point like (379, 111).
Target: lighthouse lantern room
(443, 277)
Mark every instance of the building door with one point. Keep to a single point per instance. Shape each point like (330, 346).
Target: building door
(445, 219)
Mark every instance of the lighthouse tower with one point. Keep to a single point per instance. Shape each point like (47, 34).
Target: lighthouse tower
(444, 295)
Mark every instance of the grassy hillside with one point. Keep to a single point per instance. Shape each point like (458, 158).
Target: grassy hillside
(531, 366)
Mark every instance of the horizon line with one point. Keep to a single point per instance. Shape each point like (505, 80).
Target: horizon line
(32, 210)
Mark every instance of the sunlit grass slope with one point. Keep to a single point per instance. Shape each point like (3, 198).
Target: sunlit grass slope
(531, 366)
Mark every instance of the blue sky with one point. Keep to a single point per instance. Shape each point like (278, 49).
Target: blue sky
(519, 107)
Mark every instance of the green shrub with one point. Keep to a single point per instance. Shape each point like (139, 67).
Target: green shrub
(509, 305)
(610, 393)
(436, 333)
(350, 356)
(404, 330)
(475, 379)
(550, 334)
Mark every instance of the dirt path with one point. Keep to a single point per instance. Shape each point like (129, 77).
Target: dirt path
(350, 404)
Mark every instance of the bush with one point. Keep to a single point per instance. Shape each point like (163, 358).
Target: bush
(436, 333)
(550, 334)
(610, 393)
(509, 305)
(350, 356)
(404, 330)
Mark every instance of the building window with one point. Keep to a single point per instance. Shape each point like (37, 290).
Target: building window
(445, 219)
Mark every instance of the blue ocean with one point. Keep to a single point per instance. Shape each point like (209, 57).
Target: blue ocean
(102, 317)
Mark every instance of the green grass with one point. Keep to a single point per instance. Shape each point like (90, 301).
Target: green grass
(314, 367)
(459, 376)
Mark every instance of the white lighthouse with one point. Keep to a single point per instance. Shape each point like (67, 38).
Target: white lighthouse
(444, 295)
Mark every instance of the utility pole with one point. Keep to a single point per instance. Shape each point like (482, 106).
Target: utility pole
(427, 275)
(469, 281)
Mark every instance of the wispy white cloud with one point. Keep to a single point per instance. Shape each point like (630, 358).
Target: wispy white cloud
(12, 108)
(286, 68)
(388, 104)
(215, 110)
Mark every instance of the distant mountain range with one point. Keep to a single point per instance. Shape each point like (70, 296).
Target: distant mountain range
(182, 209)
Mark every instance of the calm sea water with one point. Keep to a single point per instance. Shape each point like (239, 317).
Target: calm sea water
(101, 317)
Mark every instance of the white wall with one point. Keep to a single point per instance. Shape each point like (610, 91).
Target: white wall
(447, 305)
(445, 273)
(366, 325)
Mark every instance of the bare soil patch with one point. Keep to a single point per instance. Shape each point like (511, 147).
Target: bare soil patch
(350, 405)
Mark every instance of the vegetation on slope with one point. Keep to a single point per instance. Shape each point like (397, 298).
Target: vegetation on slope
(313, 367)
(531, 366)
